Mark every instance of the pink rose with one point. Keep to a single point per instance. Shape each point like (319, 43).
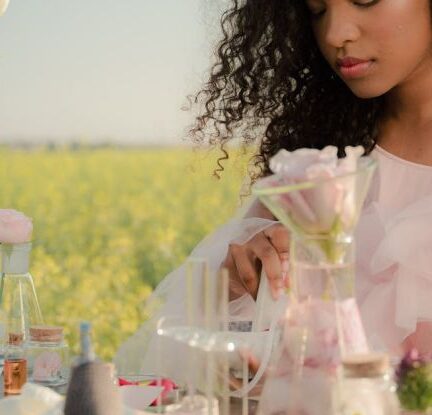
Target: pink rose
(3, 6)
(15, 227)
(318, 205)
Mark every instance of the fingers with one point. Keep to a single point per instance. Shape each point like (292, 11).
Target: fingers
(243, 277)
(278, 236)
(236, 287)
(268, 250)
(252, 361)
(269, 257)
(253, 365)
(284, 258)
(245, 269)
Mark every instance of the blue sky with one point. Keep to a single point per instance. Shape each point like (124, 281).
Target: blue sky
(100, 69)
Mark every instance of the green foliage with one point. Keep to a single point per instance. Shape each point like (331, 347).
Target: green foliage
(415, 391)
(110, 224)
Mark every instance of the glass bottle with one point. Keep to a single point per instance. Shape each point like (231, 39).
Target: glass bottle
(367, 387)
(91, 388)
(15, 365)
(19, 306)
(48, 356)
(87, 354)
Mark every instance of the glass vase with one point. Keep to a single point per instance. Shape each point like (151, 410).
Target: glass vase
(320, 327)
(322, 271)
(19, 306)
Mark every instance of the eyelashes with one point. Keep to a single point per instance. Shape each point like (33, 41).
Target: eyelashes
(316, 14)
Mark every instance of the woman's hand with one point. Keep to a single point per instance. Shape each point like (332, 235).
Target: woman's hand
(421, 339)
(267, 250)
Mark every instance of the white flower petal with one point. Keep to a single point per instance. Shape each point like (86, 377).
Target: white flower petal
(349, 163)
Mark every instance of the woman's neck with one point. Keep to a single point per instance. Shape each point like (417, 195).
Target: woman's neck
(412, 100)
(406, 128)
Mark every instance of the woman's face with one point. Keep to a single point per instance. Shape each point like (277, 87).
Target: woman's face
(373, 45)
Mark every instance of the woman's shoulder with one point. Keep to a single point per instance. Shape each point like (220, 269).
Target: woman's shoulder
(398, 183)
(385, 156)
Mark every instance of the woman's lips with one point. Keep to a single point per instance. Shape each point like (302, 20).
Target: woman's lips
(352, 68)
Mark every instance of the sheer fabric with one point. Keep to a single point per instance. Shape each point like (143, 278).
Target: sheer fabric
(394, 256)
(138, 353)
(394, 266)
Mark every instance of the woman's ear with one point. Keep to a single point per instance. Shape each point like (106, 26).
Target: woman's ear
(3, 6)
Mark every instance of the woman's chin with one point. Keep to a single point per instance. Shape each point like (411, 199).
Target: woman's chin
(367, 90)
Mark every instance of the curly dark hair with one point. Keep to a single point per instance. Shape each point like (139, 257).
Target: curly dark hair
(271, 85)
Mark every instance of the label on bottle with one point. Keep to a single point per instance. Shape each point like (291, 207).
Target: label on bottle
(15, 375)
(47, 366)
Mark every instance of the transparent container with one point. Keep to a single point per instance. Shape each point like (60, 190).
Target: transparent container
(321, 324)
(323, 285)
(19, 306)
(15, 365)
(367, 387)
(48, 356)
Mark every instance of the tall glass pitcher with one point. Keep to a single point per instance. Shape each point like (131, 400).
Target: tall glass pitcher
(19, 306)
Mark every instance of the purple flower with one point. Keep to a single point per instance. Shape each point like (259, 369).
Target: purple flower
(411, 360)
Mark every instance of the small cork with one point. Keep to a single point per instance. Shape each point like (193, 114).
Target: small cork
(366, 365)
(46, 333)
(15, 339)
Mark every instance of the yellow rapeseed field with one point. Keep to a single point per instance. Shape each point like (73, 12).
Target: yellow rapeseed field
(110, 223)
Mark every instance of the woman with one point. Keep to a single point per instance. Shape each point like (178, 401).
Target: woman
(312, 73)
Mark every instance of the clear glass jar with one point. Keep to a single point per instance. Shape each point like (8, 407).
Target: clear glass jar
(15, 365)
(48, 356)
(367, 387)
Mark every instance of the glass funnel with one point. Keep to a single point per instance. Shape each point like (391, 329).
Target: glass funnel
(19, 306)
(327, 207)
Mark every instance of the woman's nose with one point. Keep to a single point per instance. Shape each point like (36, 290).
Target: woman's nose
(340, 29)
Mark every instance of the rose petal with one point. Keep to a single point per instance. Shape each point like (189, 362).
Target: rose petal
(15, 227)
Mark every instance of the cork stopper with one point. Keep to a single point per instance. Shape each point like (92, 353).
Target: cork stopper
(15, 339)
(46, 333)
(367, 365)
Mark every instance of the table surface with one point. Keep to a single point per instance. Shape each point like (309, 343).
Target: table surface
(235, 408)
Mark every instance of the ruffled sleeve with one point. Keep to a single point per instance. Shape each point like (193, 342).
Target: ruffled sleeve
(394, 272)
(137, 354)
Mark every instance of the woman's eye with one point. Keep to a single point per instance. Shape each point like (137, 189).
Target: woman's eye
(365, 3)
(315, 14)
